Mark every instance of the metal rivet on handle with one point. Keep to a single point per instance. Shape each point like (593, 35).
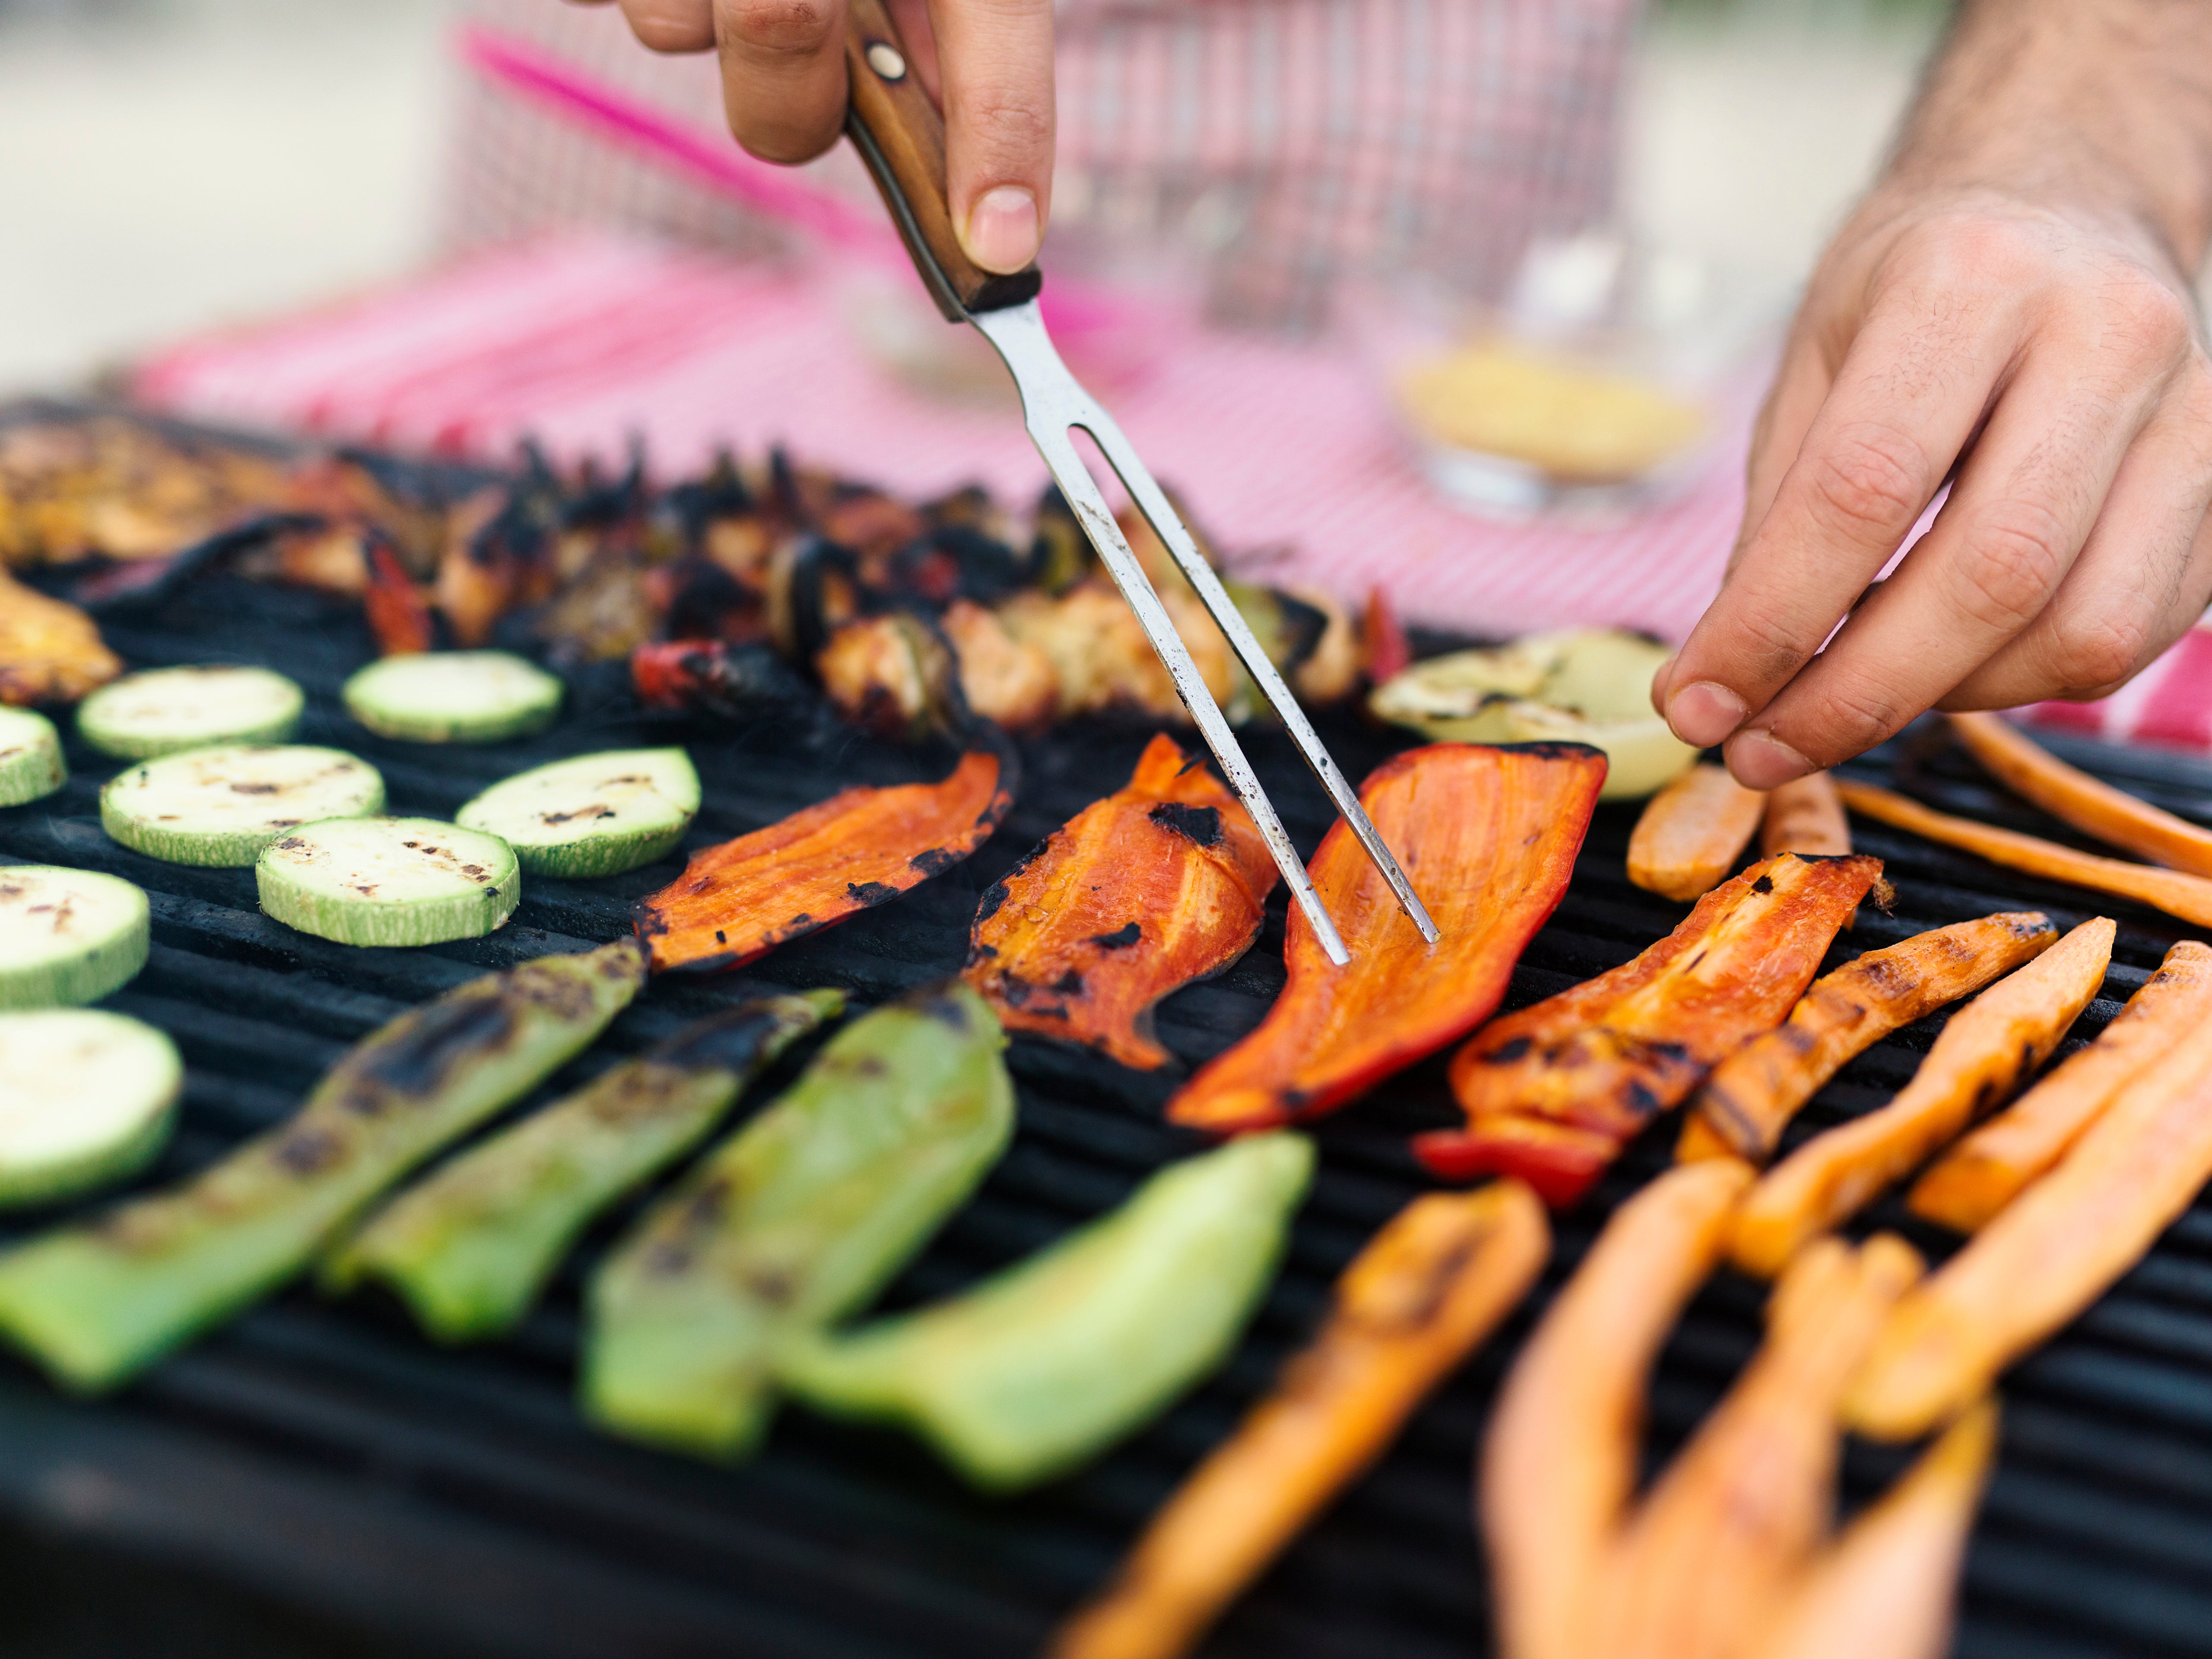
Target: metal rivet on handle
(884, 58)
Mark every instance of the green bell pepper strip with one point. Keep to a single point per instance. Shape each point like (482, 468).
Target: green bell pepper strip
(471, 1246)
(1043, 1366)
(96, 1304)
(796, 1219)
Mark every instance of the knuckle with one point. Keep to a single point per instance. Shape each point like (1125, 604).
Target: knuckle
(2099, 652)
(778, 28)
(1015, 116)
(2009, 564)
(1854, 715)
(2145, 318)
(1870, 480)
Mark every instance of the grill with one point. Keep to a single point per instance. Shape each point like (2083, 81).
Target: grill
(319, 1479)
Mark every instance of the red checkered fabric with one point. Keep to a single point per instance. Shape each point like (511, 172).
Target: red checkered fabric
(1307, 137)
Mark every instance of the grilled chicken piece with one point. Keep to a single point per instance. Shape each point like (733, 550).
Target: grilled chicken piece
(49, 652)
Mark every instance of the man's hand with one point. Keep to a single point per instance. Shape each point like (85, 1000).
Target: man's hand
(989, 63)
(2009, 310)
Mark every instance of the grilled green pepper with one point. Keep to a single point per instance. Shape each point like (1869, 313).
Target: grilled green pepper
(96, 1304)
(1059, 1356)
(795, 1220)
(470, 1247)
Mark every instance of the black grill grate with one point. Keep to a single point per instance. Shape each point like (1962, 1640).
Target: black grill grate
(319, 1478)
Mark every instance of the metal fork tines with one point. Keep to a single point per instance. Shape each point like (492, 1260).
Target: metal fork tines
(1053, 407)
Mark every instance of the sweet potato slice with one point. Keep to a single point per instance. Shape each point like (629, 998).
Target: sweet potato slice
(1711, 1554)
(1692, 833)
(1559, 1460)
(2187, 896)
(1488, 837)
(1552, 1093)
(1986, 1051)
(1753, 1093)
(1806, 816)
(1888, 1585)
(2072, 796)
(860, 847)
(1162, 883)
(1987, 1171)
(1429, 1288)
(2049, 1254)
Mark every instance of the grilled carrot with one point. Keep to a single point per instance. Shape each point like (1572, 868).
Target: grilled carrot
(2072, 796)
(1888, 1584)
(1430, 1287)
(1488, 836)
(2187, 896)
(1559, 1460)
(1989, 1047)
(2049, 1253)
(1693, 832)
(1552, 1093)
(1805, 817)
(1986, 1170)
(1753, 1093)
(860, 847)
(1712, 1552)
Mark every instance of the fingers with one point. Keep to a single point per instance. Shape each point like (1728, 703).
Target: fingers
(783, 73)
(670, 25)
(1914, 384)
(995, 65)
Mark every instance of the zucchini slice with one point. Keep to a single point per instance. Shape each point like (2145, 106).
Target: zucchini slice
(86, 1097)
(597, 815)
(68, 936)
(166, 709)
(389, 881)
(222, 806)
(454, 696)
(31, 763)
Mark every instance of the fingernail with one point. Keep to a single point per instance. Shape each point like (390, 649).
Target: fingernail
(1703, 713)
(1002, 230)
(1762, 761)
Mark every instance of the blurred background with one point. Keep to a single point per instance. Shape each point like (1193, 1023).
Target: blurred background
(180, 164)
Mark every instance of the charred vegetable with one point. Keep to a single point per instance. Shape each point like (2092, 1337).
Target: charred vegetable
(1988, 1170)
(1488, 838)
(1986, 1050)
(1052, 1361)
(1805, 817)
(1753, 1093)
(96, 1304)
(470, 1247)
(861, 847)
(1692, 833)
(1160, 884)
(1428, 1290)
(68, 936)
(797, 1219)
(31, 763)
(1553, 1092)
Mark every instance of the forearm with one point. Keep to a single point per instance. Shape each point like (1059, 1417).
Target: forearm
(2083, 103)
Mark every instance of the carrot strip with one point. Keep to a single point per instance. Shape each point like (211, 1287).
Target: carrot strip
(1559, 1460)
(1805, 817)
(1160, 884)
(1488, 836)
(1987, 1171)
(1734, 1520)
(1986, 1050)
(1552, 1093)
(1753, 1093)
(1692, 833)
(2072, 796)
(2049, 1253)
(2187, 896)
(1427, 1289)
(1888, 1585)
(860, 847)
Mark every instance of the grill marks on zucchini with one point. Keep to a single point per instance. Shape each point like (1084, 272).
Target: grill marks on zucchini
(222, 806)
(597, 815)
(31, 763)
(165, 710)
(68, 936)
(389, 881)
(96, 1304)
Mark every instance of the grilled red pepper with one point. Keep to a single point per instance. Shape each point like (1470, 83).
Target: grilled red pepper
(1553, 1092)
(860, 847)
(1160, 884)
(397, 613)
(1488, 836)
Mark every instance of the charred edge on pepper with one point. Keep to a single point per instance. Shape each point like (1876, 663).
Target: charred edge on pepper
(870, 893)
(1119, 939)
(1200, 824)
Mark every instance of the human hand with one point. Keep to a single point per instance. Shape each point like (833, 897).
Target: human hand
(987, 63)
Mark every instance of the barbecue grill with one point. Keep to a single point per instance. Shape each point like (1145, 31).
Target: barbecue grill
(319, 1478)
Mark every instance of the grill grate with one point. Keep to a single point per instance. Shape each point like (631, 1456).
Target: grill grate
(318, 1479)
